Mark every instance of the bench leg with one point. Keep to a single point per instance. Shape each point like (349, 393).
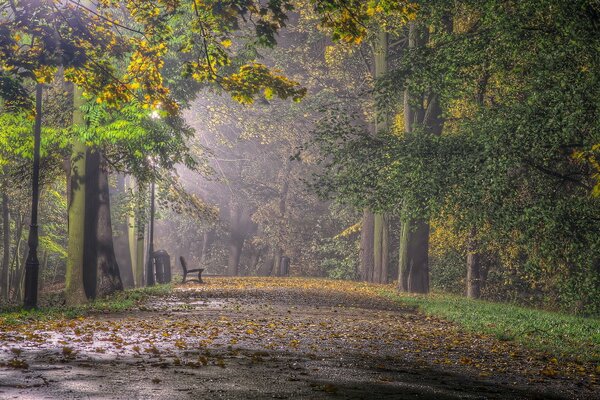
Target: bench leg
(200, 277)
(184, 275)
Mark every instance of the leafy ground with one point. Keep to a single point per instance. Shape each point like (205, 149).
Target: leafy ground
(292, 338)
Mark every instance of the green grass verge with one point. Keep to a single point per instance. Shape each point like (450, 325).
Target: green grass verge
(120, 301)
(562, 335)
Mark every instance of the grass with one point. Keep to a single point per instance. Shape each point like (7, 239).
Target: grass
(119, 302)
(560, 334)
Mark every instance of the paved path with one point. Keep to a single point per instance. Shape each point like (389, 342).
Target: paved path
(269, 338)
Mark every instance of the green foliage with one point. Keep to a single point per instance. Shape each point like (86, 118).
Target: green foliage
(116, 50)
(518, 91)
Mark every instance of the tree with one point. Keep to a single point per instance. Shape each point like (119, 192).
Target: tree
(95, 40)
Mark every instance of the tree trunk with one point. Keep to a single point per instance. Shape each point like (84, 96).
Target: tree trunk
(266, 267)
(207, 238)
(121, 244)
(473, 267)
(140, 227)
(474, 272)
(236, 239)
(15, 267)
(100, 254)
(366, 255)
(381, 248)
(4, 288)
(20, 277)
(276, 262)
(414, 239)
(74, 290)
(403, 256)
(381, 224)
(254, 260)
(135, 228)
(418, 258)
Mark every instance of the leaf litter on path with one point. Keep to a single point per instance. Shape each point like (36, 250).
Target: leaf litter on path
(275, 338)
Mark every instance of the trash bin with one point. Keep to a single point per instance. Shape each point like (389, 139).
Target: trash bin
(162, 266)
(284, 266)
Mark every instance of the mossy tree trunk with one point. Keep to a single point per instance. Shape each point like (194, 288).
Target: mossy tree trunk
(381, 222)
(74, 290)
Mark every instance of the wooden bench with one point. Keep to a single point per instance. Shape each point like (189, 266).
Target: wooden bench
(188, 271)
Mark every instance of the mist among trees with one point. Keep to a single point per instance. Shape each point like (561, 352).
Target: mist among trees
(423, 150)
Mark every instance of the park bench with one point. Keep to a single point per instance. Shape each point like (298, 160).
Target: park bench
(188, 271)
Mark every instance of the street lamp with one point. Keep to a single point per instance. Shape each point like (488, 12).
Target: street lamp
(32, 265)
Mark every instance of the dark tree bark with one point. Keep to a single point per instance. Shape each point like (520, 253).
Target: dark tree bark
(418, 258)
(101, 273)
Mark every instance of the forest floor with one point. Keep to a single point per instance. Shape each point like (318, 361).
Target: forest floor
(250, 338)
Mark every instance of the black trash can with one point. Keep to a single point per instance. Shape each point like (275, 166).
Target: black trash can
(162, 265)
(284, 266)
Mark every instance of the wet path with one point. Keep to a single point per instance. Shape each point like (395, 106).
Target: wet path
(269, 338)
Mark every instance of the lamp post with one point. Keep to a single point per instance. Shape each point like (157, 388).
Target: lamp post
(150, 263)
(32, 265)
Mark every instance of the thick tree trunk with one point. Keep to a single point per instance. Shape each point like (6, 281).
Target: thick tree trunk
(90, 242)
(74, 290)
(381, 225)
(473, 267)
(121, 244)
(5, 245)
(414, 238)
(366, 255)
(418, 258)
(100, 254)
